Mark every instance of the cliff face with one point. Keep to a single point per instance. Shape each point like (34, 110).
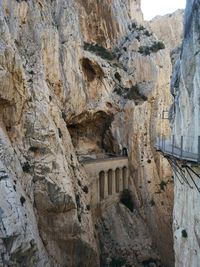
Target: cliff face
(40, 217)
(166, 28)
(185, 122)
(80, 77)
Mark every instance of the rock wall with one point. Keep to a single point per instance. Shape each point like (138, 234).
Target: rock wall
(185, 121)
(72, 84)
(40, 169)
(166, 28)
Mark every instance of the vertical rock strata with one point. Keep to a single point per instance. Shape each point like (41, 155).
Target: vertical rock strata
(185, 122)
(81, 77)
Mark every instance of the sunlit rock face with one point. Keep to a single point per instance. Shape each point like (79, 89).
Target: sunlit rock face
(185, 83)
(81, 77)
(106, 22)
(186, 123)
(167, 26)
(44, 215)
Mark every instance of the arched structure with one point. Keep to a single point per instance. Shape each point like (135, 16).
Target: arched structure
(108, 177)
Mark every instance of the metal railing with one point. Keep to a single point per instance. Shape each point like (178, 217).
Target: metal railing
(184, 148)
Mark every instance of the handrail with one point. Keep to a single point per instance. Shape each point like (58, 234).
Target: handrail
(174, 153)
(169, 147)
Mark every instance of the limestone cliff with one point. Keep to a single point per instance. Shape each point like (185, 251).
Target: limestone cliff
(81, 78)
(185, 119)
(166, 28)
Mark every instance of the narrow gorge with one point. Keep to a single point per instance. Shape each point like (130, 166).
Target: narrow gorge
(85, 90)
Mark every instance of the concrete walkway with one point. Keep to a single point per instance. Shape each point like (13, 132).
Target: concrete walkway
(116, 158)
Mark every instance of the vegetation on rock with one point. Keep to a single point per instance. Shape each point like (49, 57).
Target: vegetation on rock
(155, 47)
(131, 93)
(99, 51)
(184, 233)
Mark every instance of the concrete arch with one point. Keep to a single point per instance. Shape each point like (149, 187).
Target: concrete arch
(101, 184)
(110, 181)
(117, 179)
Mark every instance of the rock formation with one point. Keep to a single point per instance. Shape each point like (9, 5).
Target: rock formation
(185, 118)
(166, 28)
(81, 78)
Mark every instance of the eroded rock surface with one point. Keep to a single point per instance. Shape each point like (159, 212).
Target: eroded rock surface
(185, 121)
(124, 239)
(72, 84)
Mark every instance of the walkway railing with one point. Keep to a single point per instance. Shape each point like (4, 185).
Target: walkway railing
(183, 150)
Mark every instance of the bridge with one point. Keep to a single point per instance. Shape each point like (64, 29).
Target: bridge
(182, 160)
(108, 177)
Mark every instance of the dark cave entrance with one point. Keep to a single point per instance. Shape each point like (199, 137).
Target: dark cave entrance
(91, 134)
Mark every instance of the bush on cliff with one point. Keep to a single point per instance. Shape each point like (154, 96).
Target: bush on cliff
(99, 51)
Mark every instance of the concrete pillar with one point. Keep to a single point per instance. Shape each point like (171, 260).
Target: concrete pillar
(113, 183)
(127, 183)
(117, 180)
(106, 185)
(120, 180)
(110, 182)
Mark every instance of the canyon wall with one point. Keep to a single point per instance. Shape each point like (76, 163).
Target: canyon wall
(81, 78)
(166, 28)
(185, 119)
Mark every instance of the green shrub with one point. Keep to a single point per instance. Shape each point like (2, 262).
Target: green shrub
(134, 25)
(147, 33)
(126, 199)
(99, 51)
(117, 76)
(155, 47)
(184, 233)
(134, 94)
(119, 90)
(131, 93)
(141, 28)
(144, 50)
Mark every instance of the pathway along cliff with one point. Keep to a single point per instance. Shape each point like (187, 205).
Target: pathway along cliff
(85, 79)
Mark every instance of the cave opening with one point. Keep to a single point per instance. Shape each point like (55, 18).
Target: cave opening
(91, 70)
(92, 136)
